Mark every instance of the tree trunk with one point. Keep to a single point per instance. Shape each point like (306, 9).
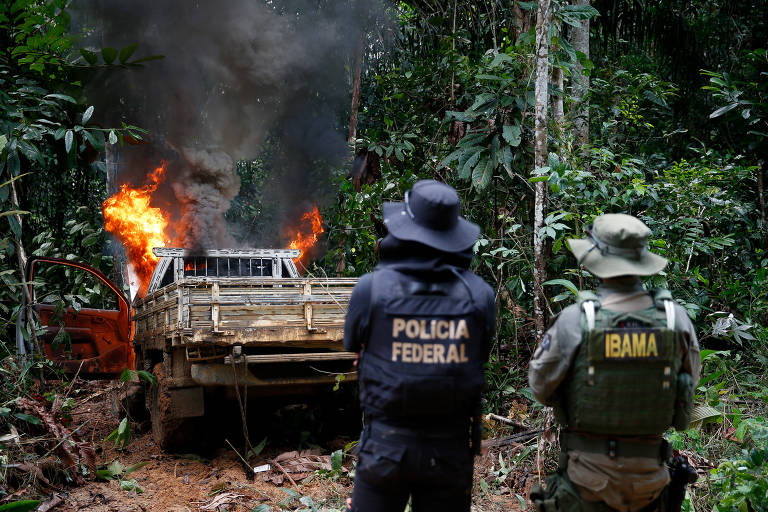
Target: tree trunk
(558, 115)
(540, 160)
(761, 196)
(21, 253)
(453, 49)
(22, 256)
(580, 43)
(357, 71)
(356, 88)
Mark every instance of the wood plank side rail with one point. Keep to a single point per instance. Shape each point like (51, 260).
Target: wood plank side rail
(219, 299)
(298, 358)
(308, 306)
(214, 306)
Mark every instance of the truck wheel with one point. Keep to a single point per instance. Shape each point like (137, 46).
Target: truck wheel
(171, 434)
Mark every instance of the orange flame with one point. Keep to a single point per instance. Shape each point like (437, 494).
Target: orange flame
(139, 226)
(307, 234)
(192, 266)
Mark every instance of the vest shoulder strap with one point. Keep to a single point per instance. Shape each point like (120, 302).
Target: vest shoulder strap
(587, 295)
(589, 303)
(660, 294)
(662, 298)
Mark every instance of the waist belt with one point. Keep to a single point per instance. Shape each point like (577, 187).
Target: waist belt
(382, 429)
(660, 450)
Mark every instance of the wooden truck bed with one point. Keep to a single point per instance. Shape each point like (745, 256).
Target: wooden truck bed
(299, 312)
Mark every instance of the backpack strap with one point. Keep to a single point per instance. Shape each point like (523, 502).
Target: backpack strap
(589, 303)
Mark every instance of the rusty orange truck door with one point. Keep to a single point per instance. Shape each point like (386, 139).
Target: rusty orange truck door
(83, 318)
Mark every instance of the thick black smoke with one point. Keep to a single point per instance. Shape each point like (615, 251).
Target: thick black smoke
(233, 71)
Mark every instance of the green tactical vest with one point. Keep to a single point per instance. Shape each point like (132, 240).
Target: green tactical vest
(624, 379)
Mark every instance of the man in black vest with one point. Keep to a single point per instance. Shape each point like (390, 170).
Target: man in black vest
(423, 324)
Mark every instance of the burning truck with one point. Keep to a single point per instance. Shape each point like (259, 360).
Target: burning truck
(204, 321)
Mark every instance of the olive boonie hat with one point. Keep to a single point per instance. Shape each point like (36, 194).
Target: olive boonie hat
(617, 246)
(430, 215)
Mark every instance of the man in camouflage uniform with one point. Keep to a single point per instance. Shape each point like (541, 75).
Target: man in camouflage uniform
(618, 368)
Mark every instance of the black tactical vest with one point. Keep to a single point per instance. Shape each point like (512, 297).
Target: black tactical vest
(424, 351)
(625, 379)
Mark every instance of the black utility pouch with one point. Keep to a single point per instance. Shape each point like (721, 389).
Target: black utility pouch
(683, 401)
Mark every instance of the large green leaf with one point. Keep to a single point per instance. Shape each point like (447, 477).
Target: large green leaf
(69, 138)
(563, 282)
(336, 459)
(98, 144)
(258, 448)
(701, 413)
(147, 59)
(466, 170)
(483, 172)
(14, 164)
(126, 52)
(15, 227)
(109, 55)
(451, 157)
(116, 469)
(134, 467)
(20, 506)
(147, 376)
(14, 212)
(28, 418)
(130, 485)
(484, 101)
(62, 97)
(87, 114)
(723, 110)
(90, 57)
(506, 160)
(465, 117)
(511, 134)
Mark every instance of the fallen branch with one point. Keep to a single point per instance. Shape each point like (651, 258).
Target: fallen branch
(85, 453)
(513, 439)
(54, 501)
(282, 469)
(220, 501)
(505, 420)
(92, 396)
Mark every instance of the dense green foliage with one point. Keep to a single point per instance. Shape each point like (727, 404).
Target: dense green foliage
(49, 149)
(678, 137)
(679, 146)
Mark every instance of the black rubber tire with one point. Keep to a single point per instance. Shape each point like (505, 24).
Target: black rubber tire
(170, 434)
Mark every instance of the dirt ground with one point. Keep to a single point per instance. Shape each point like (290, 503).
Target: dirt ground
(181, 483)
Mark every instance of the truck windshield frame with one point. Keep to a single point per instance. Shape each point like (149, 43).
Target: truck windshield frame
(201, 266)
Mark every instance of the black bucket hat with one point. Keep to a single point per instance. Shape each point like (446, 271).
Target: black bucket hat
(430, 215)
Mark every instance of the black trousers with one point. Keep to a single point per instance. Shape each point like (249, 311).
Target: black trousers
(394, 464)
